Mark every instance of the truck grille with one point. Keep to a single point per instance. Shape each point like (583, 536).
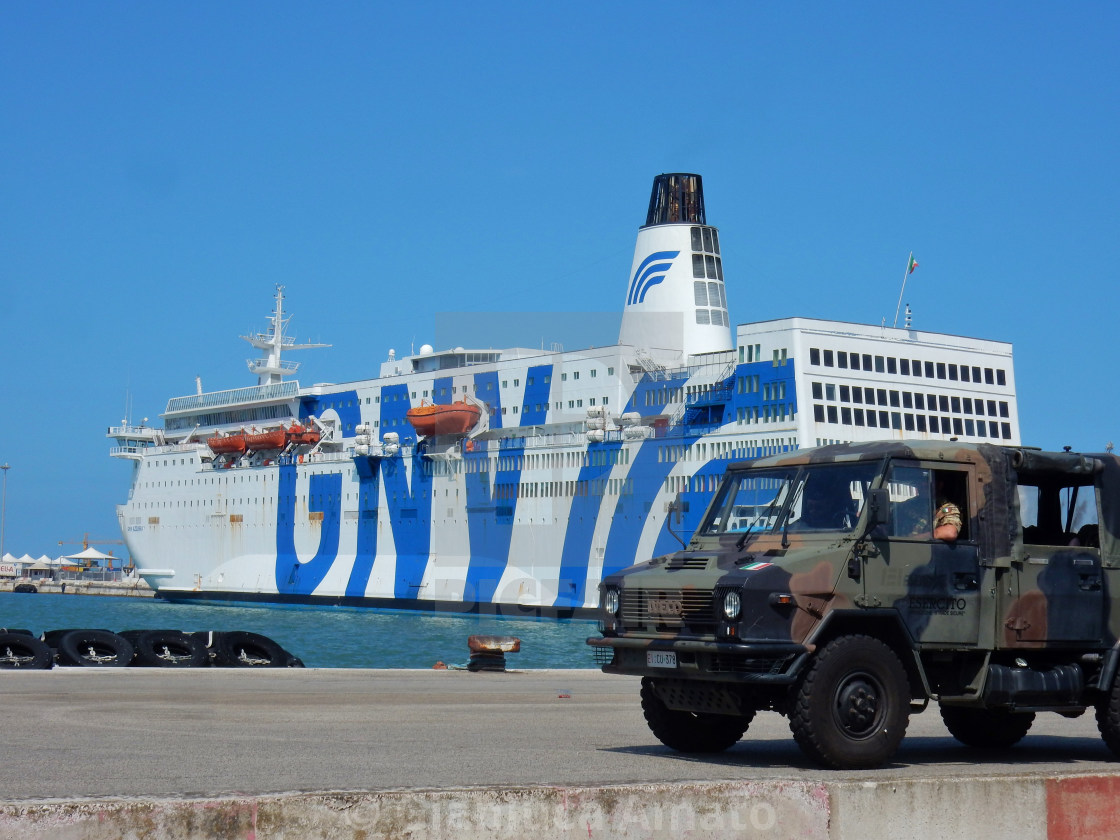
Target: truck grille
(676, 563)
(668, 608)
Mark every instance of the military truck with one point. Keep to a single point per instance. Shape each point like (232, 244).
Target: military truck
(814, 587)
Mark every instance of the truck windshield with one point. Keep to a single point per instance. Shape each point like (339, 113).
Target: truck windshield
(813, 497)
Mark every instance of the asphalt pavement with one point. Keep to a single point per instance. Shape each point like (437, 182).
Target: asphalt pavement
(73, 733)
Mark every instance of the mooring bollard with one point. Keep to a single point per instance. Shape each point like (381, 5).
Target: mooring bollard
(488, 653)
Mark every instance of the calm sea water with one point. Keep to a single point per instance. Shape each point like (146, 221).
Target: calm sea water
(323, 637)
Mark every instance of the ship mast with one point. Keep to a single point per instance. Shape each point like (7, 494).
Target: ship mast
(271, 369)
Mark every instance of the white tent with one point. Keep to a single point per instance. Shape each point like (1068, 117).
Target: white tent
(26, 559)
(8, 558)
(90, 555)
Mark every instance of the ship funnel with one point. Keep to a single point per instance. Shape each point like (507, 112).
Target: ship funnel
(675, 297)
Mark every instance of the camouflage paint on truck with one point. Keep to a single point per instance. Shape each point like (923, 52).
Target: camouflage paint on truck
(812, 569)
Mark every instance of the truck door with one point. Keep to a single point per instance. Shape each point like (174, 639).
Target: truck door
(934, 584)
(1059, 595)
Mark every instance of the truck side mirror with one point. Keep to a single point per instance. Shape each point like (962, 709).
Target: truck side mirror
(879, 507)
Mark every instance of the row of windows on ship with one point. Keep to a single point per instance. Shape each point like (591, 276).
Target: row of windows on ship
(743, 385)
(699, 451)
(471, 388)
(907, 367)
(944, 403)
(750, 353)
(247, 416)
(897, 420)
(502, 490)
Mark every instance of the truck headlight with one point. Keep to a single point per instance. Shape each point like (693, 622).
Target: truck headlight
(610, 600)
(732, 604)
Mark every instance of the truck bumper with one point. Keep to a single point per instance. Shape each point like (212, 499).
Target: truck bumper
(774, 663)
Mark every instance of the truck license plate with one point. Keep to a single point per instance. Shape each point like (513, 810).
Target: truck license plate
(661, 659)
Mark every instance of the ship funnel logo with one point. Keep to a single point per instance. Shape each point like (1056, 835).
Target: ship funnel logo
(651, 272)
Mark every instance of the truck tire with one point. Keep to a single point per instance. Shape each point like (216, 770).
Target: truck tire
(1108, 718)
(691, 732)
(851, 707)
(986, 729)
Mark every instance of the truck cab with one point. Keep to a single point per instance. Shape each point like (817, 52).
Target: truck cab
(819, 585)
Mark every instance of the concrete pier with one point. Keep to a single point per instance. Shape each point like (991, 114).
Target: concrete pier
(131, 588)
(146, 753)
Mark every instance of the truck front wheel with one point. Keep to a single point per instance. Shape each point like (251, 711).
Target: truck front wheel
(694, 732)
(851, 707)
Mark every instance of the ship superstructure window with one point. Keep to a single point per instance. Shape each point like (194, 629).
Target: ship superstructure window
(897, 366)
(707, 266)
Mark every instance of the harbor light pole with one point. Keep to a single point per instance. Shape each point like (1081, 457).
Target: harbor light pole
(4, 505)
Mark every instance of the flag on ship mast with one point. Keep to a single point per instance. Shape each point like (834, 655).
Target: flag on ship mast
(911, 264)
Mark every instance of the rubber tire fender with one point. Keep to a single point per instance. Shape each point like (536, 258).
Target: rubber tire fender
(167, 649)
(22, 650)
(242, 649)
(52, 637)
(94, 649)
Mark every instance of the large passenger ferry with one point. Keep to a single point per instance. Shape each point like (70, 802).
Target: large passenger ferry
(511, 481)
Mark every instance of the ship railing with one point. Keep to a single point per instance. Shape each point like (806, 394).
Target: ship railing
(321, 457)
(283, 365)
(167, 448)
(129, 451)
(148, 432)
(248, 394)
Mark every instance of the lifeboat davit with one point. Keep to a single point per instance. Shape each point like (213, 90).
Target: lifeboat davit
(458, 418)
(272, 439)
(302, 435)
(229, 445)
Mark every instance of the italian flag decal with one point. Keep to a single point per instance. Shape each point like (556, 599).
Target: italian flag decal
(754, 567)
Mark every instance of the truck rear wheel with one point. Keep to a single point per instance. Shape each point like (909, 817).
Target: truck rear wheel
(989, 729)
(694, 732)
(1108, 717)
(851, 707)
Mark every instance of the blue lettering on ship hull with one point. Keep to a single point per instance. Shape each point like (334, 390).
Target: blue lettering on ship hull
(491, 513)
(368, 470)
(324, 498)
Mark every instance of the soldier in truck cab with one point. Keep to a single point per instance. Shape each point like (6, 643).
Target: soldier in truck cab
(916, 514)
(947, 518)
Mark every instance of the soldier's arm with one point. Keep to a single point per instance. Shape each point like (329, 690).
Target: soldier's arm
(947, 523)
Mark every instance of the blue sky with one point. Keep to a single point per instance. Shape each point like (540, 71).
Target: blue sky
(163, 165)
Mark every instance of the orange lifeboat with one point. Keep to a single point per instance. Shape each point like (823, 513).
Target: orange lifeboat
(302, 435)
(458, 418)
(229, 445)
(272, 439)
